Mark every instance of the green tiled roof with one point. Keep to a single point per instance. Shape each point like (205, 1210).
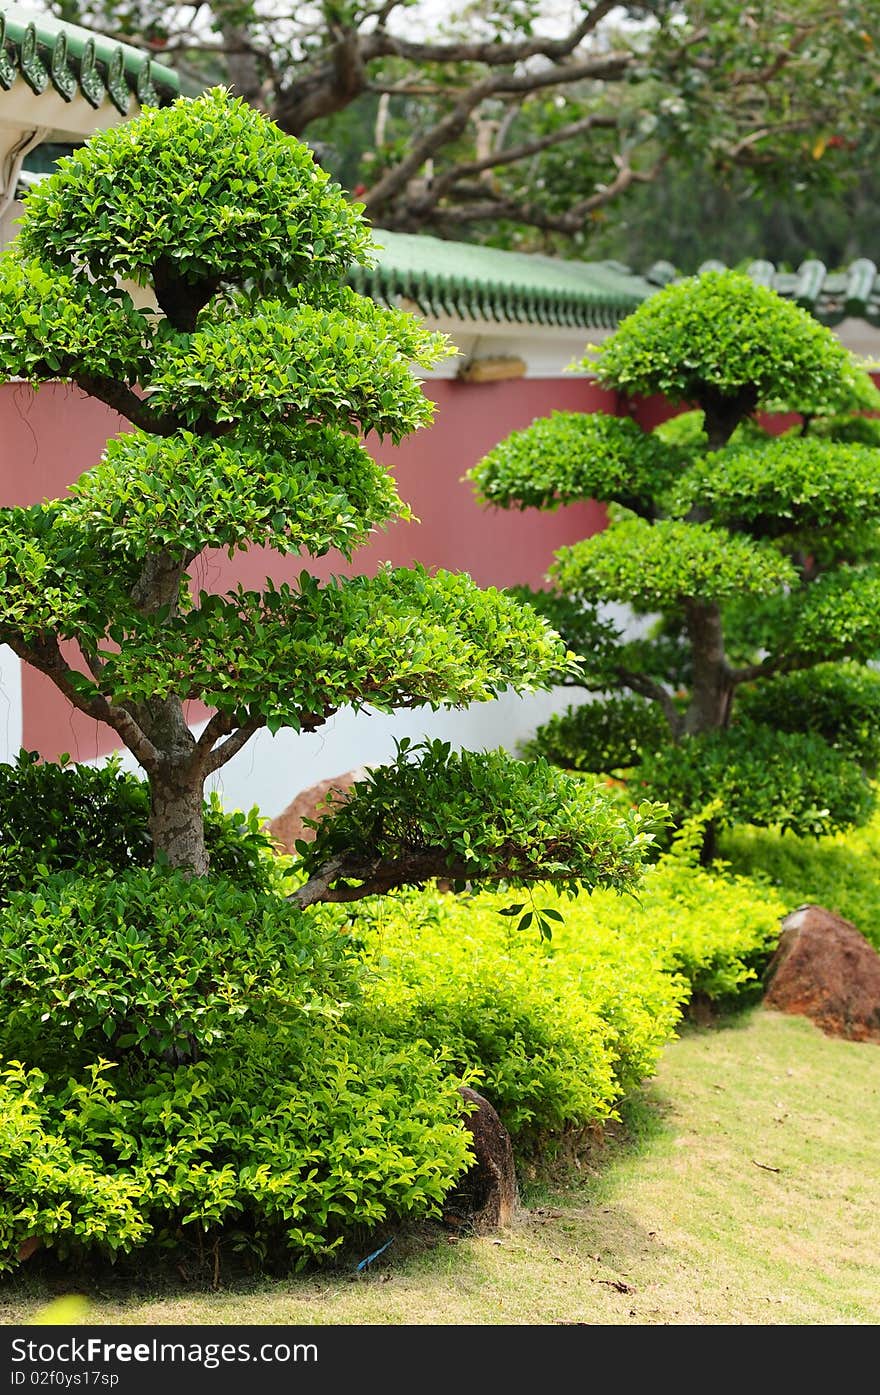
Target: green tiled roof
(482, 283)
(454, 278)
(45, 51)
(831, 296)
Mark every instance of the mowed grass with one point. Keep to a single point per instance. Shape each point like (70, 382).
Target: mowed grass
(746, 1191)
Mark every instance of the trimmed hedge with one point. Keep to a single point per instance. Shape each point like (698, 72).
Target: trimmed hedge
(791, 780)
(611, 734)
(282, 1144)
(560, 1031)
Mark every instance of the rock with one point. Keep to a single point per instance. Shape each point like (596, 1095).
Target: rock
(826, 970)
(288, 827)
(486, 1197)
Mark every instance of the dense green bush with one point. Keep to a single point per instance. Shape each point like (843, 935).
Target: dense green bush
(182, 1056)
(608, 735)
(791, 780)
(839, 702)
(72, 818)
(279, 1145)
(334, 1041)
(154, 962)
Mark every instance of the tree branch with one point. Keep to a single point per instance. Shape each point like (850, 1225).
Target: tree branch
(447, 130)
(138, 411)
(494, 54)
(218, 725)
(127, 403)
(379, 876)
(649, 688)
(413, 213)
(46, 656)
(520, 152)
(611, 67)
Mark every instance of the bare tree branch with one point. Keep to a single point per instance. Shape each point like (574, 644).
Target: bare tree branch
(450, 127)
(497, 54)
(415, 212)
(128, 404)
(46, 656)
(514, 153)
(649, 688)
(213, 759)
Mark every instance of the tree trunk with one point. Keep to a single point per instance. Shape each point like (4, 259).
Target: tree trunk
(177, 823)
(724, 414)
(712, 690)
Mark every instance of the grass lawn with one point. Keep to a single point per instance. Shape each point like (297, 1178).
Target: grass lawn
(747, 1192)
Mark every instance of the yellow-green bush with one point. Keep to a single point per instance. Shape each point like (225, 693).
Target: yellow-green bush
(841, 872)
(559, 1031)
(282, 1144)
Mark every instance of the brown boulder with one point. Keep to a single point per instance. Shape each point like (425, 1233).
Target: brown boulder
(486, 1196)
(826, 970)
(313, 803)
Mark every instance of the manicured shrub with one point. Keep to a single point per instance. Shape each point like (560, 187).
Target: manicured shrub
(744, 556)
(468, 816)
(597, 736)
(280, 1146)
(153, 962)
(767, 777)
(73, 818)
(839, 702)
(560, 1031)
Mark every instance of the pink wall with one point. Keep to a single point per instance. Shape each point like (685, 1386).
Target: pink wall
(49, 437)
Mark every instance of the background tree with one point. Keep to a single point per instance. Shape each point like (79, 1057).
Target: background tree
(755, 558)
(249, 384)
(499, 118)
(743, 219)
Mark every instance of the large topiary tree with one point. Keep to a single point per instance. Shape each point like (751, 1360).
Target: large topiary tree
(755, 557)
(188, 269)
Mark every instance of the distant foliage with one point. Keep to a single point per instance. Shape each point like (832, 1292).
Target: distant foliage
(790, 780)
(608, 735)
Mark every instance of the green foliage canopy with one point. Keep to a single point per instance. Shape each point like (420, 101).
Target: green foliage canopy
(719, 335)
(655, 565)
(206, 191)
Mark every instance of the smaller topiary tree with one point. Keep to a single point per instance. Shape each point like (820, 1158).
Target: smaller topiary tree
(754, 557)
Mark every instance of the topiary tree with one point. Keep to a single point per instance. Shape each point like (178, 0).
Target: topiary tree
(755, 557)
(188, 269)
